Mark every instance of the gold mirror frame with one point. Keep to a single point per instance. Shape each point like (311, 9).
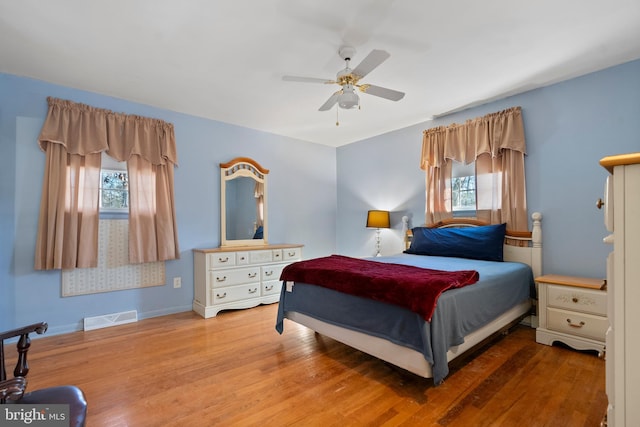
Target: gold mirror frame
(238, 168)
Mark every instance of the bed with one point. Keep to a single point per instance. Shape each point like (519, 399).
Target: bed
(462, 317)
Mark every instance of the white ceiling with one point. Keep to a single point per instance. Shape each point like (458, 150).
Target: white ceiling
(224, 59)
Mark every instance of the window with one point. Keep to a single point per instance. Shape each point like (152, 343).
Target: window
(114, 191)
(464, 193)
(463, 189)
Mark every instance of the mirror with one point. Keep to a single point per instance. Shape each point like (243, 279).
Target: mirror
(243, 204)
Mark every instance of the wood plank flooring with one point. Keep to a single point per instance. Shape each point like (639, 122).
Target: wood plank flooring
(235, 370)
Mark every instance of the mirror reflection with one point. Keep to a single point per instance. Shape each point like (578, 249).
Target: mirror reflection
(243, 203)
(244, 209)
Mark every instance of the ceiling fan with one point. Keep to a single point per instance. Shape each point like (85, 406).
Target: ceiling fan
(349, 79)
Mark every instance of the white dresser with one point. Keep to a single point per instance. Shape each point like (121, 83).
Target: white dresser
(239, 277)
(622, 220)
(572, 310)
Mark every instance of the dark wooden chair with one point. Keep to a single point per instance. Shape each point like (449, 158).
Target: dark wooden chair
(12, 390)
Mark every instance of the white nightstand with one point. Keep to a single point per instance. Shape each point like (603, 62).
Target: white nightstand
(572, 310)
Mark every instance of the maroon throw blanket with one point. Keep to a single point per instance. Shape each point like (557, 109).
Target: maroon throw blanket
(412, 287)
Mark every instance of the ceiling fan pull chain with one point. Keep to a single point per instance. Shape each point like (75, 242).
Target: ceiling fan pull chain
(337, 121)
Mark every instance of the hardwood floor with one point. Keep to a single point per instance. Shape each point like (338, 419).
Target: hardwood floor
(235, 370)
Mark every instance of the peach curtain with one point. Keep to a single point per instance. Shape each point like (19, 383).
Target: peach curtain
(496, 144)
(259, 196)
(73, 137)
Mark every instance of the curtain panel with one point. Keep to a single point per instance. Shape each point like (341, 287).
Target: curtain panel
(496, 144)
(73, 137)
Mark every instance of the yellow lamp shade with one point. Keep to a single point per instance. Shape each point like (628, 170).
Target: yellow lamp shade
(378, 219)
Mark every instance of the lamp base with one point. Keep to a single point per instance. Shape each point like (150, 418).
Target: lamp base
(378, 242)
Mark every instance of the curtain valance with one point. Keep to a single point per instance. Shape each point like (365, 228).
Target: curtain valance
(83, 129)
(490, 134)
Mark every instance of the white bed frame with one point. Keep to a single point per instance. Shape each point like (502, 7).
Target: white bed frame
(414, 361)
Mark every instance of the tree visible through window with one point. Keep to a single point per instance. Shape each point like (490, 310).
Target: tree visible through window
(463, 187)
(114, 191)
(463, 192)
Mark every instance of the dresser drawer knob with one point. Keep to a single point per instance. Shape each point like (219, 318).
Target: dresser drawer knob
(253, 291)
(574, 325)
(226, 259)
(221, 296)
(268, 288)
(221, 279)
(268, 273)
(252, 275)
(292, 254)
(574, 299)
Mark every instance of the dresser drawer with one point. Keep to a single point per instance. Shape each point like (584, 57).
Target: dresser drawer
(276, 255)
(271, 288)
(578, 324)
(291, 254)
(222, 259)
(237, 276)
(577, 299)
(259, 257)
(235, 293)
(242, 258)
(271, 272)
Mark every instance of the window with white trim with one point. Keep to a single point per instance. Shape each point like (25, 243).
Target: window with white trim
(463, 189)
(114, 191)
(114, 186)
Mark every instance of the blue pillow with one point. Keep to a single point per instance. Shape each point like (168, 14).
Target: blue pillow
(483, 243)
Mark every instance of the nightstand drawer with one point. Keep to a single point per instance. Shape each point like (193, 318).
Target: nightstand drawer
(579, 324)
(577, 299)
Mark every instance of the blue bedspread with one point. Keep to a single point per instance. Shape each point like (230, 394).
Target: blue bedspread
(502, 285)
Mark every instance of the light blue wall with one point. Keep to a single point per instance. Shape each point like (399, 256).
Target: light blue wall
(301, 203)
(318, 196)
(569, 127)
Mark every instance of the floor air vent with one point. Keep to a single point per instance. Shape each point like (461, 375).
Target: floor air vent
(107, 320)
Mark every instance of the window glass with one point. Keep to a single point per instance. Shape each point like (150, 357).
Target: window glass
(114, 191)
(463, 188)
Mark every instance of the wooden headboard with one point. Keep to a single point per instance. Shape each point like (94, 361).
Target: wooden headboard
(519, 246)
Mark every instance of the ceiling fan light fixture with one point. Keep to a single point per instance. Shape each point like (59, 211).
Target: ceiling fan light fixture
(349, 79)
(349, 99)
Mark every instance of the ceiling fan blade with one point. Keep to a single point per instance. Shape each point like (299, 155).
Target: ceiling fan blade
(382, 92)
(330, 102)
(306, 79)
(375, 58)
